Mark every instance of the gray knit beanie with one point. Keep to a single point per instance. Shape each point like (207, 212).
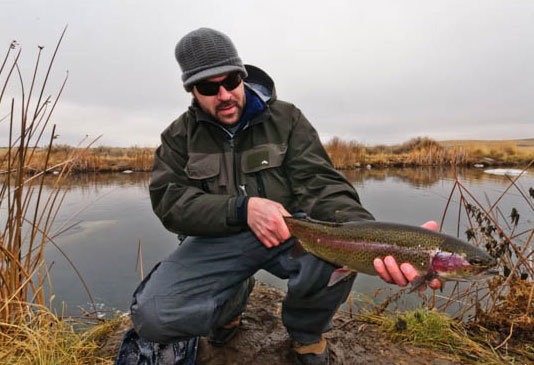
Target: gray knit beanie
(204, 53)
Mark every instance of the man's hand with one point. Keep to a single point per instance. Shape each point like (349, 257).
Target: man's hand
(390, 272)
(265, 219)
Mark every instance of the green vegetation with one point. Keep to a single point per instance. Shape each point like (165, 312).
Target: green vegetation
(438, 331)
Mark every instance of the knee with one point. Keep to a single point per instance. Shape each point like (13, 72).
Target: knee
(146, 322)
(170, 319)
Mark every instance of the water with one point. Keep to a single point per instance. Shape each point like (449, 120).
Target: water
(112, 214)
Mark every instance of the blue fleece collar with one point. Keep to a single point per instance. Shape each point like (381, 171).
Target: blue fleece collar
(253, 106)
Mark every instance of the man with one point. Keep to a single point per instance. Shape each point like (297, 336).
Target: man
(227, 172)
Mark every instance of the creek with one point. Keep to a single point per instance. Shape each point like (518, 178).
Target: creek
(111, 214)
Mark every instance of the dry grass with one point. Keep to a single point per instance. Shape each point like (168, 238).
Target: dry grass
(97, 159)
(419, 151)
(29, 332)
(423, 151)
(40, 337)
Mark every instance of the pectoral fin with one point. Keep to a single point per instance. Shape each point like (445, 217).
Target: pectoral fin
(419, 281)
(297, 249)
(339, 275)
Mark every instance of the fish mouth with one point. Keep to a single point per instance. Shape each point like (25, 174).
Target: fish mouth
(473, 276)
(491, 272)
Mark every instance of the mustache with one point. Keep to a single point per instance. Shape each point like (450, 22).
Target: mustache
(226, 104)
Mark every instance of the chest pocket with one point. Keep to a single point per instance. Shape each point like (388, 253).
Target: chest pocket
(263, 157)
(206, 170)
(261, 168)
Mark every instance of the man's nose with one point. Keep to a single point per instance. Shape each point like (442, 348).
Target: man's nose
(223, 94)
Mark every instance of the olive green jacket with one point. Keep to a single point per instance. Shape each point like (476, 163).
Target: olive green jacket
(201, 171)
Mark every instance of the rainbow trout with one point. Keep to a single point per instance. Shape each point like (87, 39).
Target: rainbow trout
(355, 245)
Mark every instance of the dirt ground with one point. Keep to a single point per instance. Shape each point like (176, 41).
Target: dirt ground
(262, 340)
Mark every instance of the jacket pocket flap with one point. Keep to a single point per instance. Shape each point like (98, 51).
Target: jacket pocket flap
(263, 157)
(203, 166)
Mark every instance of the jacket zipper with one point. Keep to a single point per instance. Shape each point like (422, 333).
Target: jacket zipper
(261, 186)
(240, 189)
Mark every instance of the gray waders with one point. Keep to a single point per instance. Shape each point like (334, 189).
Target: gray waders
(203, 285)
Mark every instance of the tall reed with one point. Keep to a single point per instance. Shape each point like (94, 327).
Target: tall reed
(28, 209)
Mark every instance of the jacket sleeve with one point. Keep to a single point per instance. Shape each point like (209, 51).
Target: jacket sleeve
(181, 206)
(322, 192)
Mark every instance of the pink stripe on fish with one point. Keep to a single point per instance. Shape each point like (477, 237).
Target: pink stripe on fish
(377, 247)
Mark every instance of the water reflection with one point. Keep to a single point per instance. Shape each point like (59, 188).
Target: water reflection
(113, 213)
(427, 176)
(423, 176)
(139, 179)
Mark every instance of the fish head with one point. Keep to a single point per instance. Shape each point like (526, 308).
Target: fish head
(463, 267)
(460, 260)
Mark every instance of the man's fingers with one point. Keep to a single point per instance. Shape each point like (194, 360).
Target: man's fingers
(382, 271)
(267, 241)
(409, 272)
(283, 211)
(283, 231)
(392, 273)
(265, 218)
(395, 271)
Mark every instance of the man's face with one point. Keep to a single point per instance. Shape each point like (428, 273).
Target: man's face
(225, 106)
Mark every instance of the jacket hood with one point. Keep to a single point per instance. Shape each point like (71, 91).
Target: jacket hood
(261, 83)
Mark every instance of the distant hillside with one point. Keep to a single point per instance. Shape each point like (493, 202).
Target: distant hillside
(525, 144)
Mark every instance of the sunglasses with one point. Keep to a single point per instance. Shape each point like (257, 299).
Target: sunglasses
(209, 88)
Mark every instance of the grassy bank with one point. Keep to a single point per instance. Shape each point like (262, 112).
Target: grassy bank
(41, 337)
(344, 154)
(96, 159)
(424, 151)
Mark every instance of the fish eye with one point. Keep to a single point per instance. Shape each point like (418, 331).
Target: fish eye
(476, 261)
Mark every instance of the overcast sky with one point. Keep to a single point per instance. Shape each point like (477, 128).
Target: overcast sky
(379, 72)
